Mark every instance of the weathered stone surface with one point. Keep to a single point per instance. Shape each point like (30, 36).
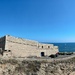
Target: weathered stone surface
(73, 73)
(18, 47)
(16, 67)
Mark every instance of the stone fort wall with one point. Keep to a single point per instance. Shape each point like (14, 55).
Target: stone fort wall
(19, 47)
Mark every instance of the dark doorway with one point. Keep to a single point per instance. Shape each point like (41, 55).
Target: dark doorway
(42, 54)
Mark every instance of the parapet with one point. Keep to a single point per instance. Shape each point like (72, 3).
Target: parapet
(21, 40)
(46, 46)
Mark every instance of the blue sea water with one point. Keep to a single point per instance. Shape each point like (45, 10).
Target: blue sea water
(65, 47)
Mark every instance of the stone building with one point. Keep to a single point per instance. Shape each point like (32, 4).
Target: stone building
(17, 47)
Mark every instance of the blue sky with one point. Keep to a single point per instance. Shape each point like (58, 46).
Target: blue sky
(41, 20)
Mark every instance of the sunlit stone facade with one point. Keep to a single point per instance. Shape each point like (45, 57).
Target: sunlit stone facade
(18, 47)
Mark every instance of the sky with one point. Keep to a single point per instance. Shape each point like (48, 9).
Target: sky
(40, 20)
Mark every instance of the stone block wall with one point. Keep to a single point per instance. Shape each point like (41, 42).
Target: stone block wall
(45, 46)
(21, 41)
(18, 47)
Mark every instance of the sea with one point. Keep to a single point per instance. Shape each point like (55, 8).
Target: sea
(65, 47)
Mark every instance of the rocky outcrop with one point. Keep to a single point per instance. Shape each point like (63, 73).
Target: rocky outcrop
(17, 67)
